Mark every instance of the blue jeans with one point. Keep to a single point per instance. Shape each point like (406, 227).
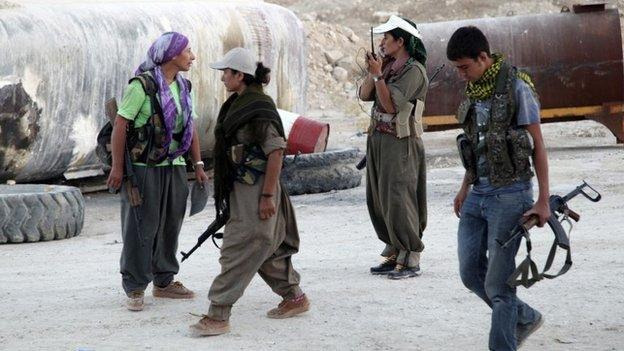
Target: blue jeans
(484, 266)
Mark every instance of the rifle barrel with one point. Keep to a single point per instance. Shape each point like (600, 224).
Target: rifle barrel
(211, 231)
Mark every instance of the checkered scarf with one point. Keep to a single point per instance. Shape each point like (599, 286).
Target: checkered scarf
(483, 88)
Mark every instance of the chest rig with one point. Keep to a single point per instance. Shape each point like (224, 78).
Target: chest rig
(506, 147)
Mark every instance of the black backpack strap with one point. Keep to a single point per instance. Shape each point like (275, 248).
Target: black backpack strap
(147, 82)
(501, 79)
(151, 89)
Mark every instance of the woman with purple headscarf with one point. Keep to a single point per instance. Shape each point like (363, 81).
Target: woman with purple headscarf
(156, 131)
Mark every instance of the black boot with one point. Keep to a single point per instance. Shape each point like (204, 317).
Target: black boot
(402, 272)
(385, 267)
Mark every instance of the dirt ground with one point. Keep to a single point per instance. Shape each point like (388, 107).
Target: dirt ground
(66, 295)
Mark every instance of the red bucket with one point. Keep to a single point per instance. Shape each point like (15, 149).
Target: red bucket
(307, 136)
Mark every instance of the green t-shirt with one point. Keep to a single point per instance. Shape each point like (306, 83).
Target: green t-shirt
(137, 107)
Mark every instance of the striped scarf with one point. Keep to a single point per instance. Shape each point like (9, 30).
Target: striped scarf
(484, 87)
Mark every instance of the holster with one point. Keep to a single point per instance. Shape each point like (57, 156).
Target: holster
(409, 120)
(466, 153)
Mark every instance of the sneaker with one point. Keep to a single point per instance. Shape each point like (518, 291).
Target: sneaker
(209, 327)
(402, 272)
(135, 301)
(289, 308)
(384, 267)
(524, 331)
(175, 290)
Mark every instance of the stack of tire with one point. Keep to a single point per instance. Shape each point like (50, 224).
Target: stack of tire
(321, 172)
(308, 168)
(39, 212)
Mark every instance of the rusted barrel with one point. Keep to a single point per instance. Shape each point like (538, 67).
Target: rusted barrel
(574, 58)
(304, 135)
(63, 61)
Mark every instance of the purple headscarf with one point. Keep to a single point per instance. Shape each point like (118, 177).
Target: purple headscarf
(163, 50)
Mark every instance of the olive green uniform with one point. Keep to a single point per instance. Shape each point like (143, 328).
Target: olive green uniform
(396, 174)
(253, 245)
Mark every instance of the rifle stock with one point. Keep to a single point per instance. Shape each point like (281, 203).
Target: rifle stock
(131, 182)
(527, 274)
(110, 108)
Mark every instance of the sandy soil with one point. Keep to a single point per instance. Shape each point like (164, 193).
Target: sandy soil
(66, 295)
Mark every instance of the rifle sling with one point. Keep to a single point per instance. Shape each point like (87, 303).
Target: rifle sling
(527, 274)
(551, 258)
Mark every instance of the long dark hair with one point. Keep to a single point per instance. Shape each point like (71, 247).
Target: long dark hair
(414, 46)
(261, 77)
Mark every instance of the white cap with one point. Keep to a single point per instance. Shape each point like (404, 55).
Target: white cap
(397, 22)
(239, 59)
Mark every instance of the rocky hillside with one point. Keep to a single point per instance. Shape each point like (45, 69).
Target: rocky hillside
(337, 32)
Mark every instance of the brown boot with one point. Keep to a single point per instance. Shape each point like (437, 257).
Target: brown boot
(175, 290)
(135, 301)
(208, 327)
(290, 307)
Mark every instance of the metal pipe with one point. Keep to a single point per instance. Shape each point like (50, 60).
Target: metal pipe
(66, 60)
(574, 58)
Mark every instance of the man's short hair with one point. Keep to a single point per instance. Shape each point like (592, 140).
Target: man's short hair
(467, 42)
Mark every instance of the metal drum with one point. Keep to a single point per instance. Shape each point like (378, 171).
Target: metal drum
(574, 58)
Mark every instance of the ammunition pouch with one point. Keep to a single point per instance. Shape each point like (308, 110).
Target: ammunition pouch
(249, 162)
(407, 121)
(466, 154)
(145, 144)
(520, 146)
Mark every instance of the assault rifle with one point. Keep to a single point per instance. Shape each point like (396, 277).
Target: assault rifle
(210, 232)
(527, 271)
(132, 184)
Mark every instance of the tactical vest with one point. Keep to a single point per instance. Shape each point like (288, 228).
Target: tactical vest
(146, 142)
(507, 148)
(413, 116)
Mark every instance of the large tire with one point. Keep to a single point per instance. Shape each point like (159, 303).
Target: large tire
(38, 212)
(321, 172)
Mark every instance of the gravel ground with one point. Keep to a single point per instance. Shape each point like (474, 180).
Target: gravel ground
(66, 295)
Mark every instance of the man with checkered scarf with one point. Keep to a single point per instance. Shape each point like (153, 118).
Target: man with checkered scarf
(500, 117)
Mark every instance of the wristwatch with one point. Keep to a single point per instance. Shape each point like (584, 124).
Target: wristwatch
(376, 78)
(198, 163)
